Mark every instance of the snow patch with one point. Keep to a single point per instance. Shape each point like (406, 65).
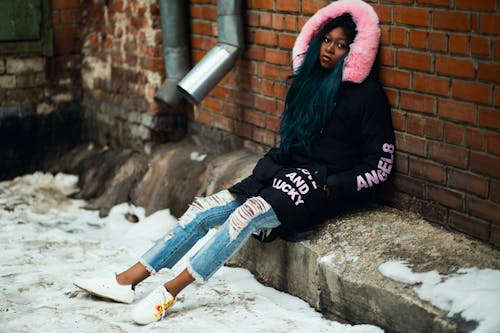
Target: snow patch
(471, 293)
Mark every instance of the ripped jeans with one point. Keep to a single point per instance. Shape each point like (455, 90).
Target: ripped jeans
(239, 218)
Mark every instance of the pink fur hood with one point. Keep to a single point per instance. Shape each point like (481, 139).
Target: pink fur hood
(363, 50)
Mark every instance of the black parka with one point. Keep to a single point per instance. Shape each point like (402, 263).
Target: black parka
(353, 155)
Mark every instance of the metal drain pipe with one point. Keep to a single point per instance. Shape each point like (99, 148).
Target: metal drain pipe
(220, 59)
(173, 16)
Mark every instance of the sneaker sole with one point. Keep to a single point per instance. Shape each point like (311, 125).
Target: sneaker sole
(91, 292)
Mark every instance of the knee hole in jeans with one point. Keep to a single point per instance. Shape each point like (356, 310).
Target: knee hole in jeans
(202, 204)
(240, 218)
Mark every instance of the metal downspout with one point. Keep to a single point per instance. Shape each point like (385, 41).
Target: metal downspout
(173, 16)
(221, 58)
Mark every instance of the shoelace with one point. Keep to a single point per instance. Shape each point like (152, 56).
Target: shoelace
(165, 301)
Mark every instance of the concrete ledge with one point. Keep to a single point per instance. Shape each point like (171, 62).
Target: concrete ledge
(335, 268)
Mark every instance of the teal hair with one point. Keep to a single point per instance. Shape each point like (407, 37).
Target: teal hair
(311, 97)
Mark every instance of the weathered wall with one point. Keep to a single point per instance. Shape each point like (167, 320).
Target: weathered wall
(40, 95)
(440, 68)
(123, 67)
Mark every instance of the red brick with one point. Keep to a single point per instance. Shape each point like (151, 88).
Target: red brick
(253, 52)
(448, 154)
(409, 185)
(266, 19)
(427, 170)
(416, 102)
(484, 209)
(387, 56)
(467, 182)
(495, 190)
(485, 164)
(431, 84)
(410, 144)
(470, 225)
(67, 39)
(493, 143)
(496, 49)
(474, 138)
(223, 123)
(265, 104)
(433, 128)
(153, 64)
(398, 36)
(453, 133)
(435, 3)
(253, 19)
(262, 4)
(415, 124)
(291, 23)
(201, 27)
(414, 60)
(392, 95)
(287, 5)
(490, 24)
(447, 20)
(452, 66)
(459, 44)
(311, 6)
(395, 78)
(401, 162)
(412, 16)
(243, 130)
(211, 104)
(450, 109)
(254, 118)
(286, 41)
(273, 123)
(232, 111)
(495, 235)
(278, 21)
(263, 136)
(438, 41)
(71, 15)
(418, 39)
(489, 118)
(277, 57)
(399, 120)
(64, 4)
(480, 46)
(384, 35)
(269, 71)
(488, 72)
(471, 91)
(474, 4)
(384, 13)
(203, 116)
(445, 197)
(266, 37)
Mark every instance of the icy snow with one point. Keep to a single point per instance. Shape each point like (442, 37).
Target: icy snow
(48, 240)
(472, 293)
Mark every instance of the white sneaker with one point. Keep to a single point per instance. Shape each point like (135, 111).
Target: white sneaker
(107, 288)
(153, 307)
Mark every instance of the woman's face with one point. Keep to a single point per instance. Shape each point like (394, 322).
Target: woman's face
(333, 47)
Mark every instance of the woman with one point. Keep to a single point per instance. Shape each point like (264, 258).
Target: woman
(337, 144)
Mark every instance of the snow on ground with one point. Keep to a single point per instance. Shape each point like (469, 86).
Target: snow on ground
(472, 293)
(48, 240)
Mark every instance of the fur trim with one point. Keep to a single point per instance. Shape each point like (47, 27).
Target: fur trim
(363, 50)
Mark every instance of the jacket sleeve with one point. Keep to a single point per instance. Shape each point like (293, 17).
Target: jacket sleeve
(377, 145)
(267, 166)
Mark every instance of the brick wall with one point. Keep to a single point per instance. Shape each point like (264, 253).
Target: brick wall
(440, 67)
(40, 93)
(123, 67)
